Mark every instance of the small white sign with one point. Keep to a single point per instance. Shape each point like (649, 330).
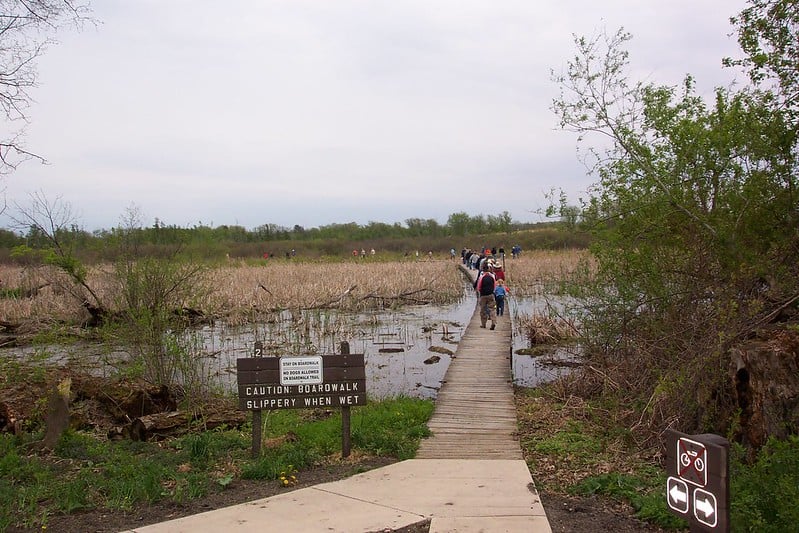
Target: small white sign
(301, 370)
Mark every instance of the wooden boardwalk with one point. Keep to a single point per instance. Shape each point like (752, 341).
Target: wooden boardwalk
(475, 414)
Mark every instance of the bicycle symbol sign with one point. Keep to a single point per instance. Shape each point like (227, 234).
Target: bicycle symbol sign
(692, 461)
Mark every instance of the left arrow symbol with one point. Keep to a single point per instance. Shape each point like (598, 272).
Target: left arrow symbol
(678, 495)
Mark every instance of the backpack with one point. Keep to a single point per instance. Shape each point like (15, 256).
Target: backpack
(486, 284)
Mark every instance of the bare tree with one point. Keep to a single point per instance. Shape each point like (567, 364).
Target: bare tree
(27, 27)
(54, 225)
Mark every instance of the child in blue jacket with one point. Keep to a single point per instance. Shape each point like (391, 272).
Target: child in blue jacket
(500, 292)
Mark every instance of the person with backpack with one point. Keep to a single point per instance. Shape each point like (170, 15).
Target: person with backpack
(484, 285)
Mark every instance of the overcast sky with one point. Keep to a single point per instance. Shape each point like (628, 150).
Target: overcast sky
(314, 112)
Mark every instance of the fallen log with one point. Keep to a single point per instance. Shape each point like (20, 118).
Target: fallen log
(158, 426)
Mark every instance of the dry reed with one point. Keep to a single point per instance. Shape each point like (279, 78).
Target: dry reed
(241, 292)
(536, 272)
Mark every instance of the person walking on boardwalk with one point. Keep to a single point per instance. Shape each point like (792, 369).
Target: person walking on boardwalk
(500, 292)
(484, 284)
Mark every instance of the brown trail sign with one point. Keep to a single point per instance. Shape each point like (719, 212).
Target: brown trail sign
(301, 382)
(697, 487)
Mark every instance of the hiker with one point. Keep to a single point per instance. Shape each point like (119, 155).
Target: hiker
(484, 285)
(496, 268)
(500, 292)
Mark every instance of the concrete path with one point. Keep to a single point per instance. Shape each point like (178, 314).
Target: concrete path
(468, 477)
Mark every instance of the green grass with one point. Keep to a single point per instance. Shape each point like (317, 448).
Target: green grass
(644, 491)
(86, 471)
(599, 454)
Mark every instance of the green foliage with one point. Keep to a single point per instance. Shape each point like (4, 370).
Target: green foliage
(153, 291)
(645, 494)
(693, 221)
(764, 494)
(274, 461)
(768, 33)
(388, 428)
(88, 471)
(211, 245)
(573, 442)
(66, 262)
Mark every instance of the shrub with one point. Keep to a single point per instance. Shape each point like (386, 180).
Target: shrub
(765, 495)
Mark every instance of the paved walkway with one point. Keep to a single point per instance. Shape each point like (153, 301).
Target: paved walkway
(468, 477)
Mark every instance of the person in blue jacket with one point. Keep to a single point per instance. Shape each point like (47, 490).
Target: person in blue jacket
(500, 292)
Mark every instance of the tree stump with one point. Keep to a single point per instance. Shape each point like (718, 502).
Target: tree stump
(57, 415)
(765, 374)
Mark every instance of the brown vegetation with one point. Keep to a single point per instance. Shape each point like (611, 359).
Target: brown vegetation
(34, 298)
(241, 292)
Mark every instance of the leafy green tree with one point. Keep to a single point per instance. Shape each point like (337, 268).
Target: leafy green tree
(694, 216)
(458, 223)
(499, 223)
(768, 32)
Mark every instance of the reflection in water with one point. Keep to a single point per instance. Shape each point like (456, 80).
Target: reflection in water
(395, 343)
(532, 370)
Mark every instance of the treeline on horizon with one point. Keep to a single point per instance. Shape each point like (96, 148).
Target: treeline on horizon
(237, 242)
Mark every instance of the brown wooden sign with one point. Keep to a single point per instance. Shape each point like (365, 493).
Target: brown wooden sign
(299, 382)
(697, 487)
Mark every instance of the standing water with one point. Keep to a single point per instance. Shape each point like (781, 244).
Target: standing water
(407, 351)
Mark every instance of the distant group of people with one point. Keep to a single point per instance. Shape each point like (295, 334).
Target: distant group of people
(363, 253)
(490, 283)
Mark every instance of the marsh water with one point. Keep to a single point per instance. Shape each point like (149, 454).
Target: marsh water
(407, 351)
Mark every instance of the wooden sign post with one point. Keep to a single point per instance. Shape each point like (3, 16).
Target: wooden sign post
(301, 382)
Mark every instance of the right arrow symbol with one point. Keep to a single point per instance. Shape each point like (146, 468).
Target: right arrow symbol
(705, 507)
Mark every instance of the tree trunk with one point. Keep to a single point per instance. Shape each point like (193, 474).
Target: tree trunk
(57, 415)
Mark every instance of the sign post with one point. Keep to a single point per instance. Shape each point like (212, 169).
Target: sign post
(301, 382)
(257, 424)
(346, 434)
(697, 487)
